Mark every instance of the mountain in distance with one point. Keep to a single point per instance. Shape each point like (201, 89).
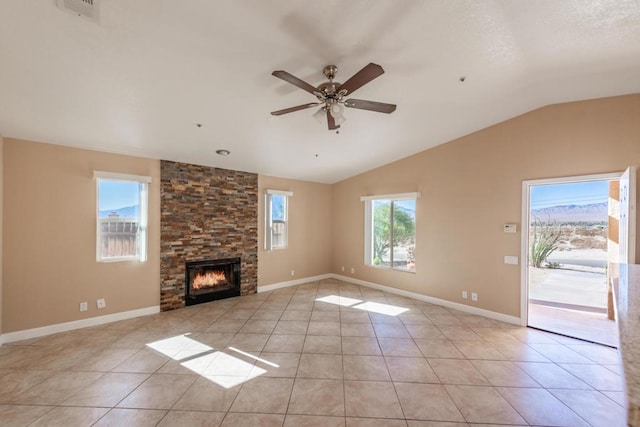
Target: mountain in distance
(595, 212)
(126, 212)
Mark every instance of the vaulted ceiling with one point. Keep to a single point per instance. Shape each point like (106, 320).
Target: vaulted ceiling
(140, 79)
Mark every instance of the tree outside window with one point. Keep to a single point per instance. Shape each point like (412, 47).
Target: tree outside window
(392, 225)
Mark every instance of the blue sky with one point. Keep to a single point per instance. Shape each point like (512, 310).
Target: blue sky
(579, 193)
(115, 195)
(277, 207)
(409, 206)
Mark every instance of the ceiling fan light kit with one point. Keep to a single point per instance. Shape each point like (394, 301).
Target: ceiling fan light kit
(331, 95)
(336, 110)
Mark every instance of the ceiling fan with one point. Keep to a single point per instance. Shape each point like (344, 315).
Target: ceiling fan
(331, 95)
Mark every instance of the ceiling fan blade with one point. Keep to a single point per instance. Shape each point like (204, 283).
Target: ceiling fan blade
(380, 107)
(331, 121)
(361, 78)
(290, 78)
(296, 108)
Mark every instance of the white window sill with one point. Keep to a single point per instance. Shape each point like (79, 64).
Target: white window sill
(390, 269)
(120, 259)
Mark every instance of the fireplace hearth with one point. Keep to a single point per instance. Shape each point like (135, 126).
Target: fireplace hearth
(211, 280)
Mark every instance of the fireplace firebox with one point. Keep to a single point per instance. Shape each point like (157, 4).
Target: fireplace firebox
(211, 280)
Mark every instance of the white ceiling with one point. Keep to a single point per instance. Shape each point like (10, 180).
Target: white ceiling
(140, 80)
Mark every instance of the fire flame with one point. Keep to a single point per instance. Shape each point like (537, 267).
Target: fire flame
(209, 279)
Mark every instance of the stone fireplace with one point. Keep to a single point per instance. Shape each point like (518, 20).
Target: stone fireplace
(206, 214)
(211, 280)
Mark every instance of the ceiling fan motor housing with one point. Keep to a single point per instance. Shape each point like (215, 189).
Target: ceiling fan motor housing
(328, 90)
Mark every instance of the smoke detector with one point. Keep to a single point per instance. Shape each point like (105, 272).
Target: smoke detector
(89, 9)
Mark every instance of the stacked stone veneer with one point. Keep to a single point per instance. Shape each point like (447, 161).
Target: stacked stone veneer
(206, 213)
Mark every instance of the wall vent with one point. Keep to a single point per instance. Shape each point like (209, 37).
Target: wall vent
(89, 9)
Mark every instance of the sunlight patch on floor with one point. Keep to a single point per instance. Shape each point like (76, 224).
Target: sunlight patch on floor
(338, 300)
(179, 347)
(258, 359)
(373, 307)
(377, 307)
(223, 369)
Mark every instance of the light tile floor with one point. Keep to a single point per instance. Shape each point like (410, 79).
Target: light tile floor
(325, 353)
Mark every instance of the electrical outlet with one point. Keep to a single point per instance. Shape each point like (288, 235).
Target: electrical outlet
(510, 228)
(101, 303)
(353, 270)
(83, 306)
(342, 268)
(474, 296)
(464, 294)
(293, 272)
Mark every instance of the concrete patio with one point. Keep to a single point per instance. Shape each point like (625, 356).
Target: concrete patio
(572, 303)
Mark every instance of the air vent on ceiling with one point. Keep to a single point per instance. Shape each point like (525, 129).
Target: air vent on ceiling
(86, 8)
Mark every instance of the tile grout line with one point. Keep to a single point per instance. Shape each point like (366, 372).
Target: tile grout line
(305, 296)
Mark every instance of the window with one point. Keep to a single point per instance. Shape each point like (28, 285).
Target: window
(276, 220)
(121, 217)
(390, 231)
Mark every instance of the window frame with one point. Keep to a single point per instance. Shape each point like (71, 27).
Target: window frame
(143, 200)
(268, 223)
(369, 226)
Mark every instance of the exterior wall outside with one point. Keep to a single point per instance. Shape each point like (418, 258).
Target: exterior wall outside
(50, 241)
(206, 213)
(472, 186)
(308, 252)
(1, 230)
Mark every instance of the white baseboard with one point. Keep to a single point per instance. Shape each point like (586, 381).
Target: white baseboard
(281, 285)
(449, 304)
(101, 320)
(77, 324)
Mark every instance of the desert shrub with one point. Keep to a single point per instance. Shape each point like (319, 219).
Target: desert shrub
(596, 242)
(544, 240)
(591, 232)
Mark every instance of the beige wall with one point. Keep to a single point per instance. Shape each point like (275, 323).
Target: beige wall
(50, 237)
(310, 222)
(472, 186)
